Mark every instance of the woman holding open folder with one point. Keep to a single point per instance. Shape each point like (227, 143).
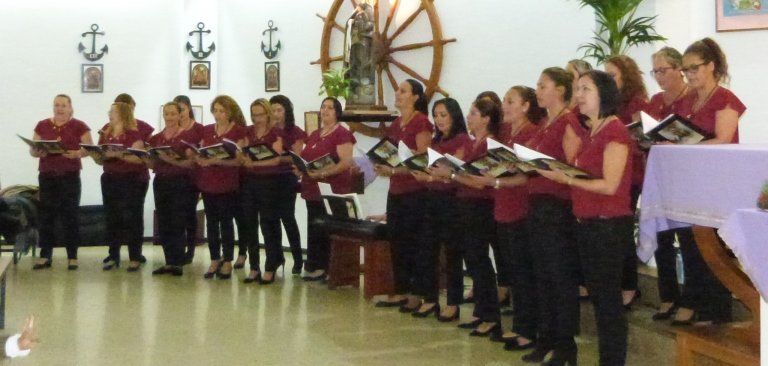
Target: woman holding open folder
(219, 181)
(187, 123)
(716, 110)
(336, 141)
(123, 186)
(173, 186)
(59, 180)
(259, 193)
(404, 200)
(601, 207)
(440, 213)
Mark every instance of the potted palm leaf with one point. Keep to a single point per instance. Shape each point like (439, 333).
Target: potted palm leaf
(335, 83)
(618, 28)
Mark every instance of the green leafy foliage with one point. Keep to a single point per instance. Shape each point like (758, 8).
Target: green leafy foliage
(335, 83)
(618, 28)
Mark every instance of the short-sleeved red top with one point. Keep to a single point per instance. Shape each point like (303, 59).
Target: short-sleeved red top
(590, 205)
(706, 117)
(291, 135)
(406, 183)
(119, 166)
(548, 140)
(627, 110)
(145, 130)
(474, 149)
(511, 203)
(69, 134)
(268, 139)
(449, 146)
(192, 135)
(658, 109)
(218, 179)
(316, 146)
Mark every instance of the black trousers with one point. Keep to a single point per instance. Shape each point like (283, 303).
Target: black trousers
(191, 221)
(629, 267)
(172, 197)
(259, 203)
(477, 233)
(242, 227)
(439, 231)
(318, 242)
(703, 291)
(286, 210)
(555, 260)
(666, 262)
(404, 216)
(219, 221)
(123, 198)
(517, 253)
(601, 244)
(59, 200)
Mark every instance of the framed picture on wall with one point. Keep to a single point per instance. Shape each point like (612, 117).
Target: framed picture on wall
(197, 110)
(734, 15)
(200, 75)
(272, 76)
(311, 121)
(92, 78)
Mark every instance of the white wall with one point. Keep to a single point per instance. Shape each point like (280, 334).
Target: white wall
(500, 44)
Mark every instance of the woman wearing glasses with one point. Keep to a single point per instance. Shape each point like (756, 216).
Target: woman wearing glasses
(716, 110)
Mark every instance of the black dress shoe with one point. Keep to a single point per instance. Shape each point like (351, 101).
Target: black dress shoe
(494, 329)
(223, 276)
(188, 256)
(435, 309)
(107, 259)
(664, 315)
(176, 271)
(208, 275)
(110, 264)
(134, 268)
(516, 346)
(43, 265)
(471, 325)
(256, 278)
(296, 270)
(72, 267)
(142, 259)
(469, 299)
(447, 319)
(162, 270)
(321, 277)
(391, 304)
(407, 310)
(502, 339)
(239, 265)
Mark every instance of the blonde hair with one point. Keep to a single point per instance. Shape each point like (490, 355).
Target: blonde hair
(125, 112)
(263, 103)
(234, 113)
(671, 55)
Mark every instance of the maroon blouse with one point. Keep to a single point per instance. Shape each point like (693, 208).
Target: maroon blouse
(218, 179)
(706, 117)
(474, 149)
(119, 166)
(549, 141)
(511, 203)
(590, 205)
(406, 183)
(317, 146)
(192, 135)
(268, 139)
(658, 109)
(450, 146)
(69, 134)
(145, 130)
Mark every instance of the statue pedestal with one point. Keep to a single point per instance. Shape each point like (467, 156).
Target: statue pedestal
(369, 115)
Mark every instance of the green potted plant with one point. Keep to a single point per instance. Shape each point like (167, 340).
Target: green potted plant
(618, 28)
(335, 83)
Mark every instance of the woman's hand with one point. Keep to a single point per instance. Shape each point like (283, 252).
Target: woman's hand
(421, 176)
(486, 179)
(441, 171)
(113, 155)
(72, 154)
(383, 170)
(555, 175)
(377, 218)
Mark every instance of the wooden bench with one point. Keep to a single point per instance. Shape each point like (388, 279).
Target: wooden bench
(344, 264)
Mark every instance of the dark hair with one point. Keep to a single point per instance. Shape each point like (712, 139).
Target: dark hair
(535, 113)
(336, 107)
(183, 99)
(458, 124)
(234, 113)
(632, 84)
(561, 77)
(422, 104)
(607, 91)
(491, 110)
(290, 120)
(490, 95)
(709, 51)
(125, 98)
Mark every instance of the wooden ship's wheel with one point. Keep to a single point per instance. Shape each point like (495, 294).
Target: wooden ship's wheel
(384, 51)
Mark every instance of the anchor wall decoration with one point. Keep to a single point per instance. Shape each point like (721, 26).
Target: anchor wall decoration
(93, 55)
(200, 54)
(270, 52)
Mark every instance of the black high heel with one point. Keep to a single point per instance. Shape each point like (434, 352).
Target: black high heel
(515, 345)
(134, 268)
(39, 266)
(208, 275)
(664, 315)
(471, 325)
(297, 266)
(391, 304)
(628, 306)
(563, 357)
(256, 278)
(539, 353)
(494, 330)
(224, 276)
(274, 273)
(447, 319)
(423, 314)
(238, 264)
(110, 264)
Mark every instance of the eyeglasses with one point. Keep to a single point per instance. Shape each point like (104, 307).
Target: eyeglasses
(660, 71)
(693, 68)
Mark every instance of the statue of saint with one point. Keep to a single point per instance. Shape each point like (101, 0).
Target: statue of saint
(358, 57)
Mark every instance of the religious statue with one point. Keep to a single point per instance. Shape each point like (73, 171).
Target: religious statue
(358, 58)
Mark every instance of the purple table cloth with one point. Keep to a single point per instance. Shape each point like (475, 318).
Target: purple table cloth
(746, 233)
(698, 184)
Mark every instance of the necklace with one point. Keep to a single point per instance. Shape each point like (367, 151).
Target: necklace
(549, 123)
(700, 103)
(594, 131)
(517, 130)
(220, 134)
